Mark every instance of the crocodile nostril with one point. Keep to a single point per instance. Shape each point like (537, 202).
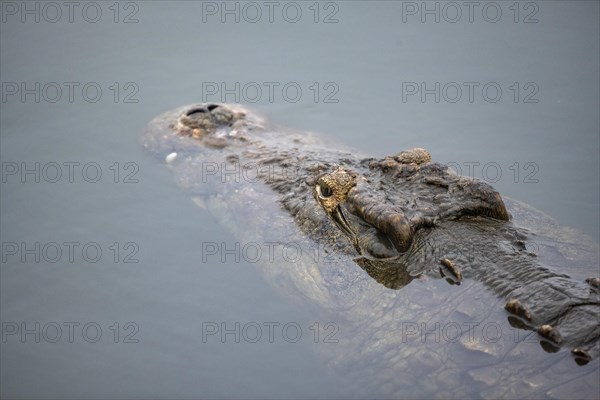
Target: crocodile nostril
(211, 107)
(195, 111)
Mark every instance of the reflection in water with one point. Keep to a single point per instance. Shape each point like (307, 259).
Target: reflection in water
(393, 274)
(390, 273)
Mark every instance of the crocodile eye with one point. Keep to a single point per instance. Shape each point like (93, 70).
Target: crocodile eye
(324, 190)
(211, 107)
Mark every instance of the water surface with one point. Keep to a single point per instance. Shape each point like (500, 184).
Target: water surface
(364, 61)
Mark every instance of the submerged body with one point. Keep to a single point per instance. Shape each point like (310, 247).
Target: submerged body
(368, 227)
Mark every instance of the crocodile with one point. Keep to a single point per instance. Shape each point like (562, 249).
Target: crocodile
(365, 228)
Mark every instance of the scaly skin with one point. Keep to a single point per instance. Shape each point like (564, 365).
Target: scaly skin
(403, 216)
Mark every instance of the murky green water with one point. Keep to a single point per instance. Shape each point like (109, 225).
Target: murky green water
(135, 319)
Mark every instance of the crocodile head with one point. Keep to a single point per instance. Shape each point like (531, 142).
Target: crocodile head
(381, 211)
(379, 204)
